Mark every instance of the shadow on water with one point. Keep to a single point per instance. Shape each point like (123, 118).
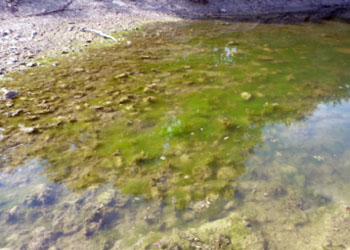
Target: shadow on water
(200, 120)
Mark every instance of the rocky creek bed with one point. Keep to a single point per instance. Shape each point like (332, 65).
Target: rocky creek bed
(210, 135)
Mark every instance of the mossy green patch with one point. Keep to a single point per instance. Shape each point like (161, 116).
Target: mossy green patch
(173, 118)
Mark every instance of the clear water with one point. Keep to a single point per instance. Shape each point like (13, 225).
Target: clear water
(197, 135)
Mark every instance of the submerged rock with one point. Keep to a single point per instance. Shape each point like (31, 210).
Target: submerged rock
(221, 242)
(199, 1)
(226, 173)
(246, 96)
(9, 94)
(122, 75)
(12, 215)
(100, 218)
(27, 130)
(45, 195)
(43, 239)
(125, 99)
(106, 198)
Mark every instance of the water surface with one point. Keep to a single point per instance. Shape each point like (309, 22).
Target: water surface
(196, 135)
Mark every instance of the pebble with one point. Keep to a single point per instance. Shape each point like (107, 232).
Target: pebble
(9, 94)
(229, 206)
(16, 112)
(12, 60)
(6, 32)
(27, 130)
(124, 99)
(122, 75)
(31, 64)
(246, 96)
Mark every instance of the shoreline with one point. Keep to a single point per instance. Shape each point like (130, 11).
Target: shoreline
(30, 31)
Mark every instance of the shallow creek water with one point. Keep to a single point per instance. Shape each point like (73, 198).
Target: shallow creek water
(194, 135)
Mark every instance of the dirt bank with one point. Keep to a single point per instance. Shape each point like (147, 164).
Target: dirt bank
(30, 27)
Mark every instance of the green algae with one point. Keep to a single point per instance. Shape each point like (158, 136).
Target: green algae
(166, 119)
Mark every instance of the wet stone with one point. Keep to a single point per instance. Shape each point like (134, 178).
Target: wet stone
(43, 239)
(12, 215)
(125, 99)
(230, 206)
(106, 198)
(28, 130)
(9, 94)
(15, 112)
(279, 191)
(101, 217)
(45, 195)
(149, 99)
(31, 64)
(122, 75)
(121, 201)
(221, 242)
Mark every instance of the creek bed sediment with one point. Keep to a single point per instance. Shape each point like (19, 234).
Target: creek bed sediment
(200, 134)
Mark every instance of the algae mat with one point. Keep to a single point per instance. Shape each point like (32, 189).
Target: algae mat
(196, 135)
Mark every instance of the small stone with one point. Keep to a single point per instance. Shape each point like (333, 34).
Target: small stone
(78, 107)
(97, 108)
(79, 70)
(32, 118)
(189, 83)
(122, 75)
(106, 198)
(246, 96)
(12, 60)
(124, 99)
(163, 158)
(45, 195)
(11, 215)
(9, 94)
(16, 112)
(229, 206)
(90, 87)
(72, 119)
(149, 99)
(31, 64)
(27, 130)
(226, 173)
(230, 43)
(64, 86)
(147, 90)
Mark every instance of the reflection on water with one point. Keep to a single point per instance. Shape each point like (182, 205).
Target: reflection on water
(208, 137)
